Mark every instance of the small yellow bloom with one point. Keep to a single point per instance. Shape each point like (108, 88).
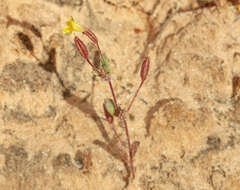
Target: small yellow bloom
(72, 26)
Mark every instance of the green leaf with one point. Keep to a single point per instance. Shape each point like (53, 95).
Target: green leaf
(105, 64)
(109, 105)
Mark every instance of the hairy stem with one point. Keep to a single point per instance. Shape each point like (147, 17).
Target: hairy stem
(109, 81)
(129, 144)
(116, 134)
(113, 94)
(122, 117)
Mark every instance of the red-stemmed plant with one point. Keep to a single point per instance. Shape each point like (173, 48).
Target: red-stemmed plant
(111, 107)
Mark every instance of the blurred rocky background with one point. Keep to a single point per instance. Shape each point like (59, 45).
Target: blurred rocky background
(187, 116)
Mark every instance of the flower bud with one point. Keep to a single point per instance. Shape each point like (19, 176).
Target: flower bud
(145, 68)
(91, 36)
(109, 109)
(81, 47)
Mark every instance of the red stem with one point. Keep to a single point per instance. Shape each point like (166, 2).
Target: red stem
(129, 144)
(122, 117)
(100, 51)
(135, 95)
(109, 81)
(113, 94)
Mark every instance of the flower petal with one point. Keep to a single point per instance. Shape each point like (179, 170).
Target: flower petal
(72, 26)
(77, 27)
(70, 21)
(67, 30)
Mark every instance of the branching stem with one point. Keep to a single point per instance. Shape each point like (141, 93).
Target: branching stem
(122, 117)
(94, 67)
(135, 95)
(113, 94)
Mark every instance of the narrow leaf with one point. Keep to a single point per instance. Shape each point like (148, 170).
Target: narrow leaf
(105, 64)
(134, 147)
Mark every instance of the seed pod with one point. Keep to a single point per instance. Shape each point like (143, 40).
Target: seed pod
(91, 36)
(109, 109)
(145, 68)
(81, 47)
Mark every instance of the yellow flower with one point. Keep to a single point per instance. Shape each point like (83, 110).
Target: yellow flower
(72, 26)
